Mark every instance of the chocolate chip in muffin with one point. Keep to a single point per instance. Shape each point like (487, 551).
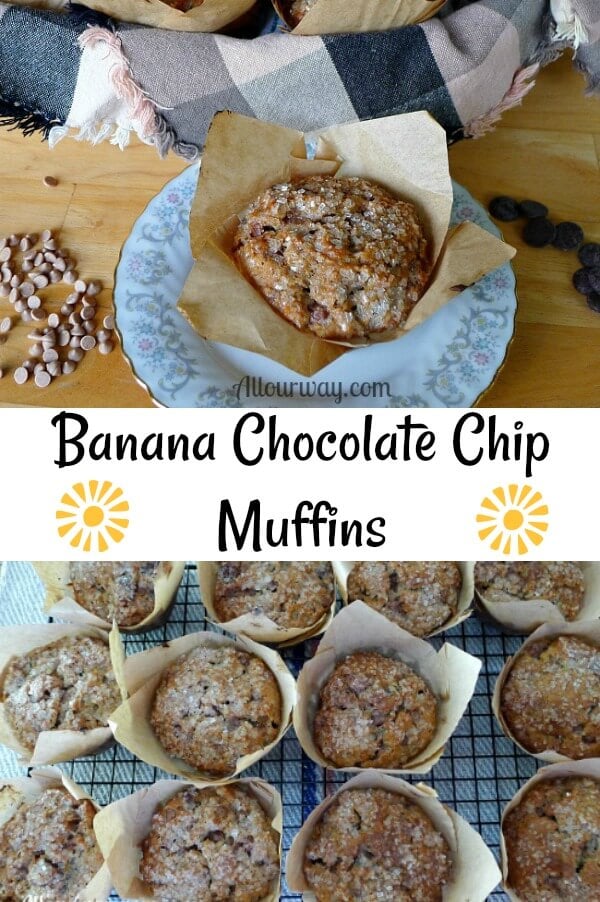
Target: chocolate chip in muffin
(210, 844)
(372, 844)
(295, 10)
(374, 711)
(215, 704)
(339, 257)
(560, 582)
(122, 590)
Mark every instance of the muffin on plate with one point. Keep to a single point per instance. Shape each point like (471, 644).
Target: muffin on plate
(214, 705)
(338, 257)
(420, 596)
(374, 711)
(375, 844)
(560, 582)
(207, 844)
(552, 841)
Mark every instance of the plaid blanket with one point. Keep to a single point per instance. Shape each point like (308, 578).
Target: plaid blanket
(77, 71)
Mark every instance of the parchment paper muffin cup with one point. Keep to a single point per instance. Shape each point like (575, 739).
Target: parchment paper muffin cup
(588, 631)
(210, 15)
(475, 872)
(588, 767)
(405, 154)
(29, 788)
(122, 827)
(54, 746)
(450, 673)
(464, 607)
(340, 17)
(522, 616)
(131, 725)
(60, 601)
(259, 627)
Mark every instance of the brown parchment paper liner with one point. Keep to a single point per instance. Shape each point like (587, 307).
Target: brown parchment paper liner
(257, 626)
(29, 788)
(60, 602)
(475, 872)
(587, 630)
(52, 746)
(339, 16)
(465, 598)
(588, 767)
(524, 616)
(130, 723)
(406, 154)
(122, 826)
(211, 15)
(450, 673)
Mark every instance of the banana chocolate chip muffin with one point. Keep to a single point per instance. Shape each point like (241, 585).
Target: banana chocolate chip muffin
(48, 849)
(551, 697)
(552, 842)
(374, 711)
(215, 704)
(295, 10)
(293, 594)
(339, 257)
(208, 845)
(560, 582)
(122, 590)
(66, 685)
(420, 596)
(376, 846)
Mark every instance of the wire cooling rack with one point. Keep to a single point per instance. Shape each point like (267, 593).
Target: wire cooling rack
(479, 773)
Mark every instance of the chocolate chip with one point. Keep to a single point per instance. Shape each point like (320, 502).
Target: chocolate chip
(589, 254)
(532, 209)
(568, 236)
(581, 281)
(594, 277)
(594, 302)
(539, 232)
(504, 208)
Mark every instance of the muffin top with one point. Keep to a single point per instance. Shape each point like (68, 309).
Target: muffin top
(553, 842)
(293, 594)
(376, 846)
(66, 685)
(550, 697)
(420, 596)
(210, 844)
(374, 711)
(339, 257)
(560, 582)
(215, 704)
(48, 848)
(122, 590)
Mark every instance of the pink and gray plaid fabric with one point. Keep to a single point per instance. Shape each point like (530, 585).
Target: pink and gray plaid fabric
(79, 72)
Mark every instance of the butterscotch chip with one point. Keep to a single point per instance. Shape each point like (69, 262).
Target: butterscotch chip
(560, 582)
(553, 842)
(420, 596)
(48, 849)
(210, 844)
(373, 844)
(65, 685)
(341, 258)
(123, 590)
(214, 705)
(292, 594)
(551, 697)
(374, 711)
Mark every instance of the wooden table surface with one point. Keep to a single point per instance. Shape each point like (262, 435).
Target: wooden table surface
(548, 149)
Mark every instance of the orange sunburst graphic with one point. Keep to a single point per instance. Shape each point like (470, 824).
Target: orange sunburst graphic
(513, 519)
(93, 515)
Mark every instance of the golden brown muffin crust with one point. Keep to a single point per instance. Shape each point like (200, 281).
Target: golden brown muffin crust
(372, 845)
(339, 257)
(210, 845)
(420, 596)
(553, 842)
(65, 685)
(122, 590)
(48, 849)
(215, 704)
(293, 594)
(560, 582)
(374, 711)
(551, 697)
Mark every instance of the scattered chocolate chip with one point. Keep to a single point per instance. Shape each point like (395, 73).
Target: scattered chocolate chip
(532, 209)
(581, 281)
(50, 181)
(589, 254)
(539, 232)
(594, 277)
(568, 236)
(504, 208)
(594, 302)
